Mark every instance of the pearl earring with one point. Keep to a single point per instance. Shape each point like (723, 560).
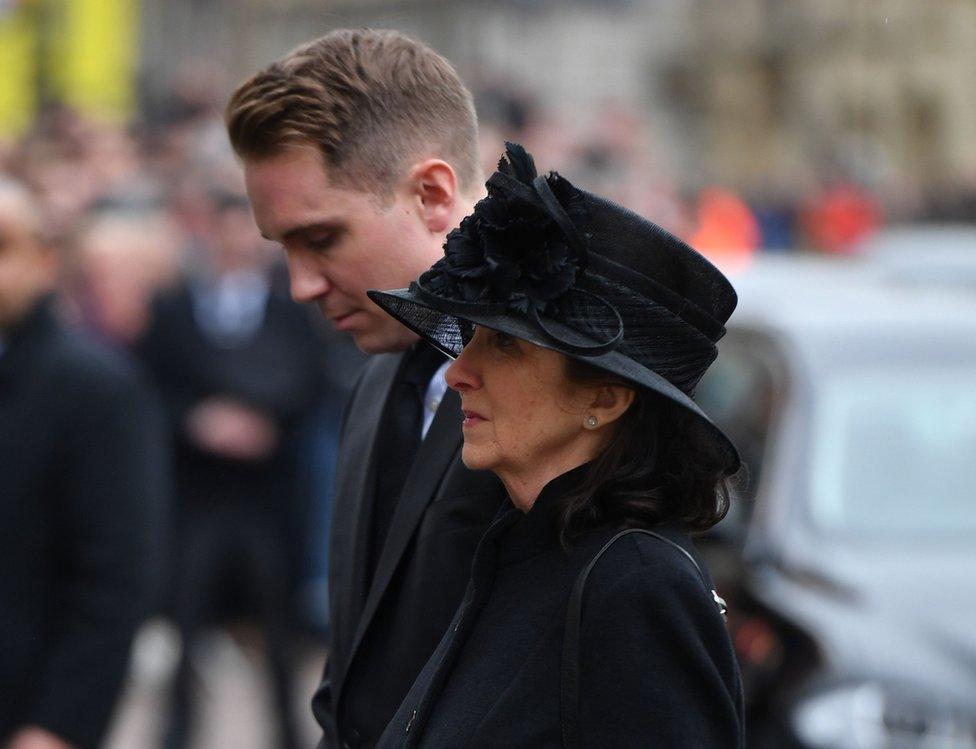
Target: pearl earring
(591, 422)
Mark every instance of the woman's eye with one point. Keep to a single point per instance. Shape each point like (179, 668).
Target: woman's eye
(503, 340)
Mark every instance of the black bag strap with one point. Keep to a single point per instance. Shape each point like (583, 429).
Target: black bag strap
(569, 670)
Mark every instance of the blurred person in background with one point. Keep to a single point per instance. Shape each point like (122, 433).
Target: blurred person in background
(82, 497)
(122, 260)
(239, 366)
(360, 154)
(76, 165)
(727, 232)
(839, 216)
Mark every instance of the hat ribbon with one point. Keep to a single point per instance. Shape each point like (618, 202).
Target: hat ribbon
(574, 348)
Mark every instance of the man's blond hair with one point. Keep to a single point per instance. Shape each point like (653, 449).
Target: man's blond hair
(370, 101)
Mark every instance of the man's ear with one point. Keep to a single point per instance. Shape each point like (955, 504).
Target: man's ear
(434, 185)
(610, 403)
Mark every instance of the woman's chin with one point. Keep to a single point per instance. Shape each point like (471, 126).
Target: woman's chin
(475, 459)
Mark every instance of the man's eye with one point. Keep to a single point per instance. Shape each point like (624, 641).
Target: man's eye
(321, 243)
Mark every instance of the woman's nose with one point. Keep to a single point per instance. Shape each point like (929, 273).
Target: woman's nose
(462, 374)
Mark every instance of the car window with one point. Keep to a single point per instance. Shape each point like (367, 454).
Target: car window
(739, 393)
(893, 453)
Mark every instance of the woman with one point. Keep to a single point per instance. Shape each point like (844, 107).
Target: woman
(580, 331)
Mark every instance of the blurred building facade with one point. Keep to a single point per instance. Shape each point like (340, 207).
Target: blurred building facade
(751, 93)
(877, 89)
(759, 95)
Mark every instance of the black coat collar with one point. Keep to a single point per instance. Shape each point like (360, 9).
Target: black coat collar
(526, 534)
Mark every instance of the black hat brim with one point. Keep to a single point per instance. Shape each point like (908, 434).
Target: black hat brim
(424, 318)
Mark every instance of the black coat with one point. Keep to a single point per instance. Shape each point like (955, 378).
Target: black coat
(383, 635)
(656, 664)
(82, 486)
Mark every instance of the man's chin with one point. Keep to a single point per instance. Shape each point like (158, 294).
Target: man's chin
(382, 342)
(367, 345)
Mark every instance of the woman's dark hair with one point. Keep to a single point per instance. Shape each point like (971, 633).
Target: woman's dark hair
(655, 468)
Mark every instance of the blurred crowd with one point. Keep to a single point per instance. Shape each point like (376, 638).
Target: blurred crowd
(144, 213)
(160, 261)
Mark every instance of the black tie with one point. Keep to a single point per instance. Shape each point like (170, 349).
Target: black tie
(400, 439)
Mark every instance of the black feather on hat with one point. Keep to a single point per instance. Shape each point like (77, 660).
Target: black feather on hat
(570, 271)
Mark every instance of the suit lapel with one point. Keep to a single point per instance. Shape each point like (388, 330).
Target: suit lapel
(355, 487)
(434, 457)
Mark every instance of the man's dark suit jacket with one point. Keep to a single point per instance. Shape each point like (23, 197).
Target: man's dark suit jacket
(383, 635)
(82, 483)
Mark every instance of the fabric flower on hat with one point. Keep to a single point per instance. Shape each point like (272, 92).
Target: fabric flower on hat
(510, 250)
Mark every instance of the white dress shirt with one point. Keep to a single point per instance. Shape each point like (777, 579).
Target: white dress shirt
(433, 396)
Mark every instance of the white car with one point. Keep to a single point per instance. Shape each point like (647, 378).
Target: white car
(850, 556)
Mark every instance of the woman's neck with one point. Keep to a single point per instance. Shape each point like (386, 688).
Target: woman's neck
(526, 483)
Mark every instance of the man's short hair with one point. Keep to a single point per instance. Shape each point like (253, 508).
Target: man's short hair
(370, 101)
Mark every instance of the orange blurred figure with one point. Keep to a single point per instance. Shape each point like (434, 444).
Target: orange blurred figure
(727, 233)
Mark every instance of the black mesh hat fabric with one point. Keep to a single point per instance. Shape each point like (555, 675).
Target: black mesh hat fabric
(575, 273)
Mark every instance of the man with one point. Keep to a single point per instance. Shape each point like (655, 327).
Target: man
(360, 154)
(81, 490)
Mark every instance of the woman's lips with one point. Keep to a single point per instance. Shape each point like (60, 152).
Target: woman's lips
(471, 418)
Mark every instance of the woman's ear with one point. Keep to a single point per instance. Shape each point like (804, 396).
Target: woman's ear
(434, 185)
(611, 402)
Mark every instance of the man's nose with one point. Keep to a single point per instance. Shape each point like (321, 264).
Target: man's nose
(307, 281)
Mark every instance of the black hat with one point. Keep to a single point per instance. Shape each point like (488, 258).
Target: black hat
(573, 272)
